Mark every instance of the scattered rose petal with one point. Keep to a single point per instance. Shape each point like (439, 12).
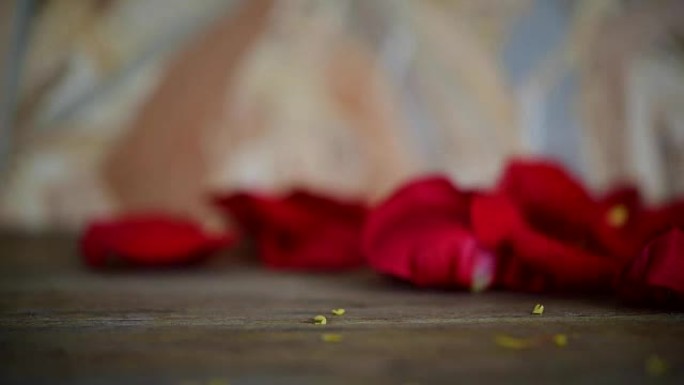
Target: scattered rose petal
(149, 240)
(557, 205)
(656, 277)
(550, 198)
(301, 231)
(421, 234)
(532, 260)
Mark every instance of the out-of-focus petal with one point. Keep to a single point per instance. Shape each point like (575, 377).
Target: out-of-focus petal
(149, 240)
(301, 230)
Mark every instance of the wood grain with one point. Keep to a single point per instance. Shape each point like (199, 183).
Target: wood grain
(232, 322)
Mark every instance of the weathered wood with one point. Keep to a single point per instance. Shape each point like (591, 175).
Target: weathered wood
(237, 323)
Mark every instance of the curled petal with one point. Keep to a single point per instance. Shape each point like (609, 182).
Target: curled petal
(526, 252)
(149, 240)
(420, 234)
(547, 193)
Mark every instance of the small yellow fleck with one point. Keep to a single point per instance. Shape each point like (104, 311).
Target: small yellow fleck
(656, 366)
(513, 343)
(331, 337)
(217, 381)
(618, 215)
(538, 309)
(560, 340)
(320, 320)
(338, 311)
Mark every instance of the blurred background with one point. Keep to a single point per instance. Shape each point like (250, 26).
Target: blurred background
(108, 106)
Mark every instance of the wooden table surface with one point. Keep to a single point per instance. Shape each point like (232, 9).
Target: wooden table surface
(231, 322)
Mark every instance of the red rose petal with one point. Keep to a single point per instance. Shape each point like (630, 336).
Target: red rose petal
(641, 224)
(547, 193)
(661, 219)
(253, 211)
(149, 240)
(420, 234)
(656, 277)
(500, 225)
(302, 230)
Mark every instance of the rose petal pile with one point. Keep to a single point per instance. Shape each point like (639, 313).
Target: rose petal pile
(538, 230)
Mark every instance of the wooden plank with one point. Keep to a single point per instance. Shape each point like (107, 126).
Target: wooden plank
(237, 323)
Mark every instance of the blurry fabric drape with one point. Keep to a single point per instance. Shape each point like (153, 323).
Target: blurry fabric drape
(150, 105)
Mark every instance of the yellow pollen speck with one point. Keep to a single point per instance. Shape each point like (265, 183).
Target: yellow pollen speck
(560, 340)
(320, 320)
(217, 381)
(331, 337)
(655, 366)
(538, 309)
(338, 311)
(618, 215)
(512, 342)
